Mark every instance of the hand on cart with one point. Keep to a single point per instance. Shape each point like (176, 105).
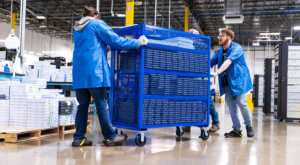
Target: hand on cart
(143, 41)
(213, 74)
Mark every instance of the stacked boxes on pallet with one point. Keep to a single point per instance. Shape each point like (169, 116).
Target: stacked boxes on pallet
(68, 73)
(42, 113)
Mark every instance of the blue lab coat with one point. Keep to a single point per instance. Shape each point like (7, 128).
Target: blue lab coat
(238, 74)
(90, 67)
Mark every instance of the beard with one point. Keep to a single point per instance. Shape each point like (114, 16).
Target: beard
(222, 43)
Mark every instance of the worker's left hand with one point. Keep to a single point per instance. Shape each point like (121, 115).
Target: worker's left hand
(143, 40)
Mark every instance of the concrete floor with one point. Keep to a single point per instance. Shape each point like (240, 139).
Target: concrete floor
(274, 143)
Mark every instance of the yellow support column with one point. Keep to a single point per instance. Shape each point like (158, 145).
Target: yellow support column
(130, 12)
(13, 23)
(186, 19)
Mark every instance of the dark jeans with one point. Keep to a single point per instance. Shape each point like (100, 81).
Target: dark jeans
(213, 113)
(84, 97)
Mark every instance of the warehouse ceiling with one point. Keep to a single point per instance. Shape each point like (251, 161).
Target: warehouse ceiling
(205, 15)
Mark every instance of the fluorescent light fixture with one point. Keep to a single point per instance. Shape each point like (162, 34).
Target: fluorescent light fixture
(138, 3)
(158, 15)
(297, 28)
(53, 52)
(2, 40)
(25, 51)
(267, 34)
(121, 15)
(39, 54)
(288, 38)
(42, 26)
(31, 52)
(221, 29)
(256, 44)
(261, 37)
(40, 17)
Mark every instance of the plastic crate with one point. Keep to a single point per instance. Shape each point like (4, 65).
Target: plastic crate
(163, 84)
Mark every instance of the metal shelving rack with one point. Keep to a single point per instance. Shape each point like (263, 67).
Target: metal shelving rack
(287, 82)
(163, 84)
(258, 90)
(269, 77)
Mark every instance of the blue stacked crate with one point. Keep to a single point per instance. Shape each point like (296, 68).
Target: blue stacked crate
(174, 74)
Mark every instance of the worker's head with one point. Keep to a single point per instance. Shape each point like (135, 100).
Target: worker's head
(90, 12)
(225, 36)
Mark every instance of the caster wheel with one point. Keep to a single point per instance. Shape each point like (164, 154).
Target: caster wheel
(178, 133)
(138, 141)
(203, 136)
(116, 130)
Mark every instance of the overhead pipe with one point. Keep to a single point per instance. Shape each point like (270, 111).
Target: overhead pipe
(111, 9)
(98, 5)
(155, 12)
(169, 14)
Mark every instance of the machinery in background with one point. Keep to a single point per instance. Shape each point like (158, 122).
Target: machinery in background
(58, 61)
(258, 90)
(287, 82)
(269, 70)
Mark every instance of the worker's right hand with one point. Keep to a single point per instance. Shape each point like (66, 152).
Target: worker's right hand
(143, 40)
(193, 31)
(213, 74)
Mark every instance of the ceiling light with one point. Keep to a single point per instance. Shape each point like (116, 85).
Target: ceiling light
(256, 44)
(138, 3)
(297, 28)
(121, 15)
(220, 29)
(2, 40)
(43, 26)
(288, 38)
(25, 51)
(31, 52)
(266, 34)
(40, 17)
(39, 54)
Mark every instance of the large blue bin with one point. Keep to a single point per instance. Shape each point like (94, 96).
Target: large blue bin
(163, 84)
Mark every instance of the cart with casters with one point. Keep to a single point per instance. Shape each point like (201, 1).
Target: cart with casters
(163, 84)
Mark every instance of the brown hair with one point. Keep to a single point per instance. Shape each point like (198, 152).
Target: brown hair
(89, 11)
(228, 32)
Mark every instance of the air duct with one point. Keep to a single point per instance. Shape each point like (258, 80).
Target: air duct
(234, 12)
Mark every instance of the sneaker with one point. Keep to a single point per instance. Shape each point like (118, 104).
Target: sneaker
(214, 128)
(187, 129)
(250, 132)
(84, 142)
(233, 133)
(118, 139)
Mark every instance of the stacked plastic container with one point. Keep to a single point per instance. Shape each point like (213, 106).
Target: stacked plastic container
(45, 69)
(57, 76)
(19, 94)
(4, 113)
(42, 113)
(68, 73)
(41, 83)
(4, 90)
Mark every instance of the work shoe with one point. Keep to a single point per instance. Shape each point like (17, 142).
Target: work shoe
(84, 142)
(187, 129)
(233, 133)
(214, 128)
(118, 139)
(250, 132)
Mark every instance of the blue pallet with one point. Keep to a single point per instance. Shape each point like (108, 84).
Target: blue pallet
(173, 61)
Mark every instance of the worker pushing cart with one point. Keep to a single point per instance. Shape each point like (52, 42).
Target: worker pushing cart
(91, 72)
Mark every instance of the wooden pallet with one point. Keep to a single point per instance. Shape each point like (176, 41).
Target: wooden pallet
(17, 135)
(70, 128)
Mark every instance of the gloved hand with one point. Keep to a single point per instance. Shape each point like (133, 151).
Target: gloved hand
(193, 31)
(143, 40)
(214, 74)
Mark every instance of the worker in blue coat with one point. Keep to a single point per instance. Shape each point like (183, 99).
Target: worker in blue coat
(91, 72)
(234, 81)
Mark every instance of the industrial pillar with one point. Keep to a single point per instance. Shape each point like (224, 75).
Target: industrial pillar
(130, 12)
(13, 22)
(186, 19)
